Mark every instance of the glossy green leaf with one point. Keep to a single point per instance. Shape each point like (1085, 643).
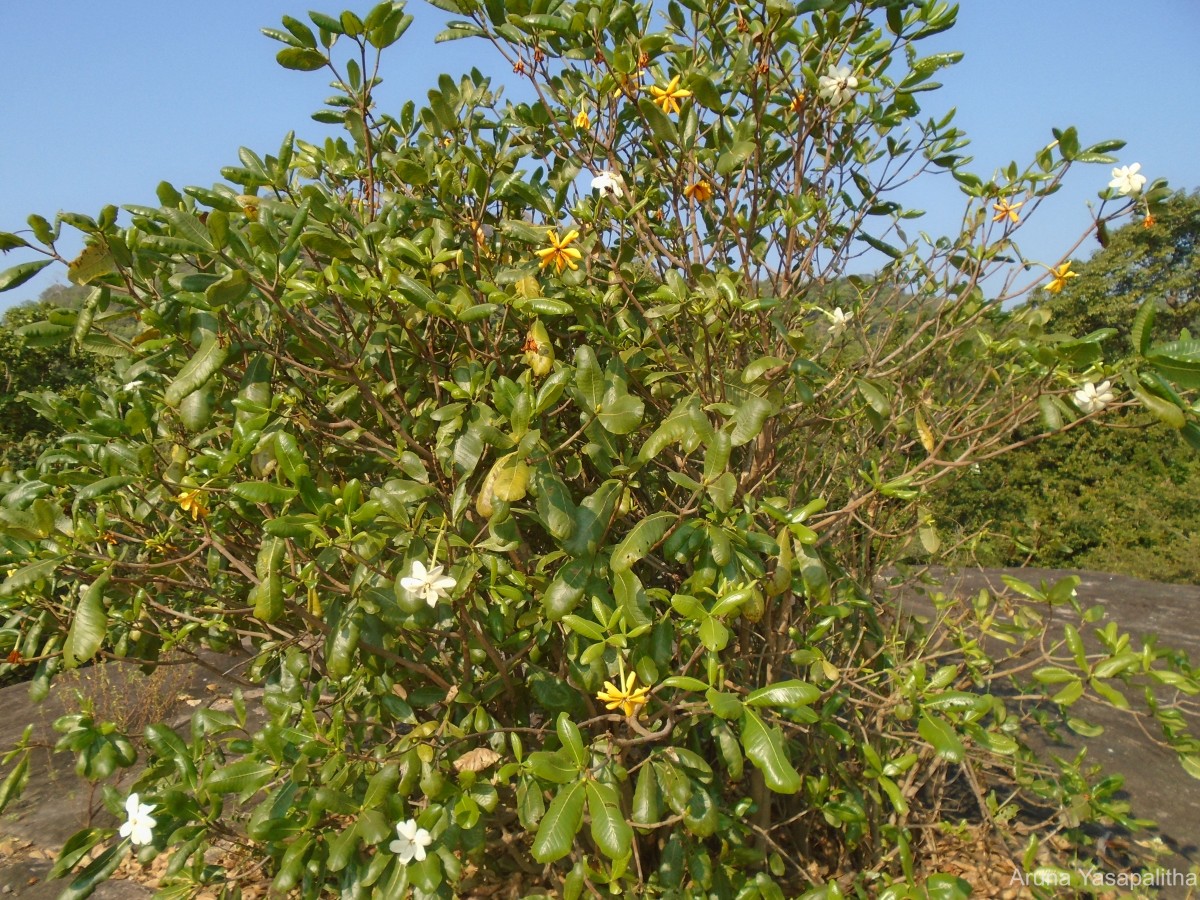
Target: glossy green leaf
(89, 624)
(941, 737)
(21, 273)
(556, 832)
(206, 362)
(765, 747)
(610, 830)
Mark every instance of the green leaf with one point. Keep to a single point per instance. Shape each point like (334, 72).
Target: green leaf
(262, 492)
(610, 830)
(1164, 410)
(19, 274)
(784, 693)
(28, 576)
(97, 871)
(9, 241)
(301, 59)
(571, 738)
(589, 378)
(230, 289)
(644, 535)
(89, 625)
(556, 832)
(749, 418)
(196, 373)
(621, 415)
(765, 747)
(1143, 323)
(942, 738)
(243, 777)
(733, 158)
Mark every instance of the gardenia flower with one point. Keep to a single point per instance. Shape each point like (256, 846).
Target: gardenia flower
(608, 184)
(837, 86)
(668, 98)
(558, 253)
(628, 698)
(1094, 397)
(428, 584)
(699, 191)
(1126, 179)
(139, 824)
(411, 841)
(1061, 274)
(1005, 209)
(192, 502)
(838, 320)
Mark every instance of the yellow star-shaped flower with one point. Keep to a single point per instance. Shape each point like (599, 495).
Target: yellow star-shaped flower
(629, 698)
(1061, 274)
(1005, 209)
(668, 98)
(558, 253)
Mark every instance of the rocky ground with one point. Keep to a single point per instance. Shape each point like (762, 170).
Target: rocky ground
(56, 804)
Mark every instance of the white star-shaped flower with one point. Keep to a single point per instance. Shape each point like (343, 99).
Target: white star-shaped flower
(411, 841)
(839, 319)
(428, 584)
(837, 86)
(608, 184)
(139, 824)
(1094, 397)
(1126, 179)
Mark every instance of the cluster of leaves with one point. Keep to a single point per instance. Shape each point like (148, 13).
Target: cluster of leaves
(648, 464)
(1113, 497)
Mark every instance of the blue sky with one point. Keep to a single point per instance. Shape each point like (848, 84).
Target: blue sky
(104, 100)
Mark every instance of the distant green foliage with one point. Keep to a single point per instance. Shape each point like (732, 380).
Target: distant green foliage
(24, 368)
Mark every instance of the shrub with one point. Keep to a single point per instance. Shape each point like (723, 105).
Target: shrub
(545, 455)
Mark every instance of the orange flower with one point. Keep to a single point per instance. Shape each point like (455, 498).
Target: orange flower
(558, 253)
(1004, 209)
(1148, 222)
(1061, 274)
(668, 98)
(700, 191)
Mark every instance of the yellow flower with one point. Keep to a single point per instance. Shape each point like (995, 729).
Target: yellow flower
(668, 98)
(1005, 209)
(1061, 274)
(558, 253)
(628, 698)
(700, 191)
(192, 502)
(582, 121)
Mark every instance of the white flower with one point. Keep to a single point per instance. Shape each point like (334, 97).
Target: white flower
(139, 824)
(608, 184)
(428, 584)
(1094, 397)
(838, 320)
(1126, 179)
(837, 86)
(410, 842)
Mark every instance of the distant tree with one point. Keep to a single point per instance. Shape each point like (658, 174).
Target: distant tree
(1156, 257)
(24, 367)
